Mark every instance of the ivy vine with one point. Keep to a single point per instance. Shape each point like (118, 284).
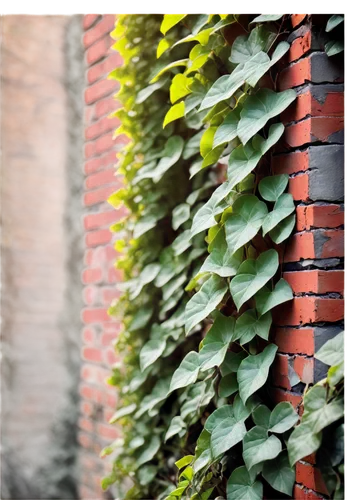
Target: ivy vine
(199, 252)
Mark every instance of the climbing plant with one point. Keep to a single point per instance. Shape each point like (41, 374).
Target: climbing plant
(206, 220)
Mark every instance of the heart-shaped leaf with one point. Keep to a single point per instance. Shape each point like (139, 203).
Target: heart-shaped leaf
(226, 132)
(150, 352)
(332, 352)
(272, 187)
(267, 300)
(205, 301)
(175, 112)
(258, 109)
(248, 325)
(180, 87)
(242, 487)
(205, 216)
(248, 213)
(177, 426)
(334, 21)
(226, 434)
(283, 230)
(186, 373)
(279, 474)
(282, 417)
(221, 261)
(181, 214)
(253, 371)
(228, 385)
(302, 442)
(216, 342)
(170, 20)
(261, 416)
(252, 276)
(149, 451)
(258, 446)
(247, 46)
(284, 206)
(266, 18)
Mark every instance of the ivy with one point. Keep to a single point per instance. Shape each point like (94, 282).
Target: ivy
(198, 251)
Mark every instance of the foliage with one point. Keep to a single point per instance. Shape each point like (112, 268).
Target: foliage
(198, 251)
(336, 45)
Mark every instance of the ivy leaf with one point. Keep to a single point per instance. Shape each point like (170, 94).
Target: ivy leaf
(216, 342)
(147, 275)
(232, 362)
(183, 462)
(248, 214)
(248, 325)
(204, 302)
(150, 352)
(221, 260)
(284, 206)
(332, 352)
(148, 91)
(334, 47)
(273, 186)
(258, 109)
(181, 214)
(302, 442)
(192, 146)
(247, 46)
(241, 487)
(253, 371)
(252, 276)
(226, 132)
(163, 46)
(186, 373)
(220, 414)
(205, 216)
(334, 21)
(335, 374)
(181, 242)
(202, 451)
(228, 385)
(258, 446)
(179, 87)
(141, 318)
(177, 426)
(226, 434)
(149, 451)
(318, 413)
(170, 20)
(244, 159)
(265, 18)
(279, 474)
(171, 154)
(123, 412)
(282, 418)
(283, 230)
(261, 416)
(168, 67)
(175, 112)
(267, 300)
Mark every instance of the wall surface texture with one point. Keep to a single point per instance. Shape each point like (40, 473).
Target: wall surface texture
(312, 262)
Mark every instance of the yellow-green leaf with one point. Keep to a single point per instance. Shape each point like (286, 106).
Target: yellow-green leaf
(175, 112)
(170, 20)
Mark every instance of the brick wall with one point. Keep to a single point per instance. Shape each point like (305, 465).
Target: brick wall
(311, 153)
(98, 399)
(33, 150)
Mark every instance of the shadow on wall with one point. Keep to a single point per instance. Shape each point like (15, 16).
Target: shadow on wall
(42, 250)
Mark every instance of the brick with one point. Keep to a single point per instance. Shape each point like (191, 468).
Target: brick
(103, 144)
(114, 275)
(310, 477)
(304, 367)
(298, 186)
(99, 90)
(301, 493)
(105, 106)
(88, 335)
(86, 408)
(315, 129)
(92, 354)
(101, 127)
(95, 315)
(100, 163)
(90, 295)
(307, 310)
(107, 432)
(102, 178)
(295, 340)
(85, 440)
(107, 338)
(103, 68)
(280, 395)
(96, 238)
(109, 295)
(315, 281)
(102, 219)
(98, 196)
(85, 424)
(319, 216)
(317, 244)
(92, 275)
(297, 19)
(98, 50)
(103, 26)
(89, 20)
(300, 46)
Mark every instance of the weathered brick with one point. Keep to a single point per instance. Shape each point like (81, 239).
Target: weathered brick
(98, 196)
(98, 50)
(295, 340)
(310, 477)
(301, 493)
(95, 238)
(103, 27)
(308, 310)
(316, 244)
(102, 219)
(89, 20)
(319, 216)
(297, 19)
(104, 67)
(315, 281)
(93, 275)
(315, 129)
(101, 127)
(95, 315)
(105, 160)
(100, 89)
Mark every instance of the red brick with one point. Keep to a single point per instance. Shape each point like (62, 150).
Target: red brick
(105, 106)
(104, 26)
(307, 310)
(102, 178)
(92, 275)
(301, 493)
(315, 281)
(306, 104)
(300, 46)
(296, 74)
(103, 68)
(95, 315)
(295, 340)
(107, 432)
(101, 127)
(89, 20)
(88, 336)
(96, 238)
(310, 477)
(316, 216)
(296, 19)
(102, 219)
(319, 128)
(280, 371)
(85, 440)
(86, 425)
(108, 338)
(114, 275)
(280, 395)
(98, 196)
(86, 408)
(302, 246)
(304, 367)
(291, 163)
(99, 50)
(108, 295)
(90, 295)
(92, 354)
(298, 186)
(99, 90)
(103, 161)
(103, 144)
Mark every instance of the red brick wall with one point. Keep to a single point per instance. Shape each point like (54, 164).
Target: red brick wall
(311, 153)
(33, 152)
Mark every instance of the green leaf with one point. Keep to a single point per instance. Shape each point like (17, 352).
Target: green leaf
(232, 362)
(258, 446)
(175, 112)
(172, 151)
(204, 302)
(218, 416)
(216, 342)
(258, 109)
(334, 47)
(149, 451)
(241, 487)
(247, 46)
(284, 206)
(227, 434)
(179, 87)
(244, 159)
(170, 20)
(168, 67)
(177, 425)
(335, 374)
(302, 442)
(183, 462)
(318, 413)
(206, 142)
(332, 352)
(253, 371)
(272, 187)
(248, 325)
(221, 261)
(150, 352)
(283, 230)
(123, 412)
(148, 91)
(252, 276)
(248, 214)
(282, 418)
(186, 373)
(192, 146)
(205, 216)
(228, 385)
(279, 474)
(181, 214)
(267, 300)
(226, 132)
(334, 21)
(146, 474)
(261, 416)
(265, 18)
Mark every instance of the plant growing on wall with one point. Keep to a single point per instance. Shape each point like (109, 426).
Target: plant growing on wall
(199, 249)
